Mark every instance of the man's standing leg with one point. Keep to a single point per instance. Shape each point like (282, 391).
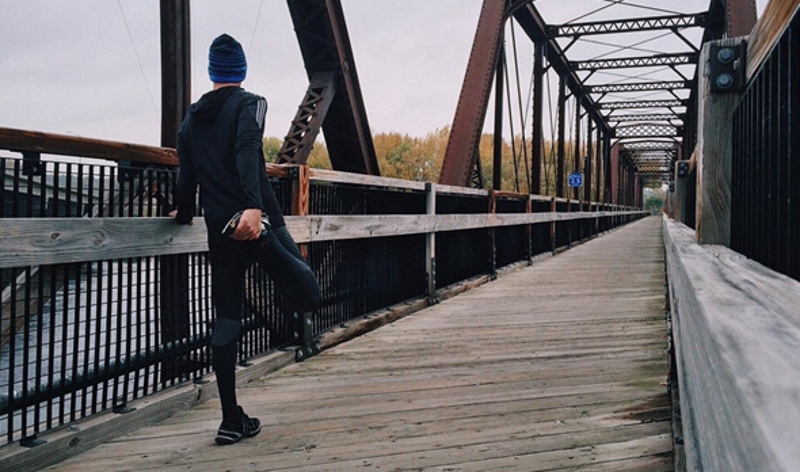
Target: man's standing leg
(228, 267)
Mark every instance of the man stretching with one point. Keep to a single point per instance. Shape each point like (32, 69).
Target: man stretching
(219, 147)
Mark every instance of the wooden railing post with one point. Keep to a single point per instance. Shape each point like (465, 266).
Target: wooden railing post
(679, 196)
(493, 235)
(301, 191)
(430, 245)
(721, 76)
(529, 230)
(553, 233)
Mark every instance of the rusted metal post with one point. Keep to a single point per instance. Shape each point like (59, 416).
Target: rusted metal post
(576, 166)
(175, 101)
(462, 146)
(562, 123)
(587, 181)
(598, 165)
(538, 106)
(499, 92)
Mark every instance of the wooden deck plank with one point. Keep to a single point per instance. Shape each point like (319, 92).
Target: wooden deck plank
(560, 366)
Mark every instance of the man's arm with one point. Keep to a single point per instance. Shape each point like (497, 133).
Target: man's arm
(187, 183)
(249, 158)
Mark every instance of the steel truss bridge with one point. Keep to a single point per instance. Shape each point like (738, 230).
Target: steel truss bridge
(586, 359)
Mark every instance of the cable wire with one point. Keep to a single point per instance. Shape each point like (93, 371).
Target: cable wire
(255, 28)
(138, 60)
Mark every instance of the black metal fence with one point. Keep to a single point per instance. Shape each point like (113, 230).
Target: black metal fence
(86, 337)
(765, 200)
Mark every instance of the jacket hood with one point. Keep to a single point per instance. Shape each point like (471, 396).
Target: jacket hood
(209, 105)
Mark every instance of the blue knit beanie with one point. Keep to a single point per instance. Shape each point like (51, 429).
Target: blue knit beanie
(226, 61)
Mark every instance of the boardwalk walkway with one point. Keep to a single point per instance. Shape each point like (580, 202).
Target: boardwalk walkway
(560, 366)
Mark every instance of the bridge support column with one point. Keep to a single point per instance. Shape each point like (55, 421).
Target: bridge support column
(430, 246)
(721, 77)
(562, 123)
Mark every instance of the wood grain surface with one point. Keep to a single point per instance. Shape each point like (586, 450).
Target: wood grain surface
(561, 365)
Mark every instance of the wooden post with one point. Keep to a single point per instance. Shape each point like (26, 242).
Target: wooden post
(301, 191)
(553, 208)
(493, 235)
(714, 165)
(430, 245)
(529, 230)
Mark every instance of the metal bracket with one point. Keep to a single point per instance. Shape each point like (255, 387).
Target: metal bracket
(683, 168)
(727, 65)
(122, 409)
(32, 163)
(31, 441)
(303, 335)
(304, 352)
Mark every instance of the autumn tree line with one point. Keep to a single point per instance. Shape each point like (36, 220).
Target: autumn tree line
(420, 159)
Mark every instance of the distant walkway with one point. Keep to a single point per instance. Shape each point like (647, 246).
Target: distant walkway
(561, 366)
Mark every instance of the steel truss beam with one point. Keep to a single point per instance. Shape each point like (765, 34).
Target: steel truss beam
(461, 165)
(639, 87)
(648, 130)
(535, 27)
(643, 104)
(672, 22)
(308, 121)
(325, 46)
(654, 170)
(645, 117)
(631, 62)
(648, 146)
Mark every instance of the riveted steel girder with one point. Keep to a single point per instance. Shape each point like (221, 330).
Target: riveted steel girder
(648, 130)
(325, 46)
(461, 154)
(626, 26)
(535, 27)
(647, 146)
(643, 104)
(639, 87)
(645, 117)
(631, 62)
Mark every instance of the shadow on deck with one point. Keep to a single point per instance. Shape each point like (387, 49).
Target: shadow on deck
(562, 365)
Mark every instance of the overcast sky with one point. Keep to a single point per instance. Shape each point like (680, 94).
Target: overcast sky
(91, 67)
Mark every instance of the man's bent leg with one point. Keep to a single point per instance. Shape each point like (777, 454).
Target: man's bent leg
(280, 257)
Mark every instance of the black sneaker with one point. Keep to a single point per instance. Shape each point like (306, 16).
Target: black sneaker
(230, 433)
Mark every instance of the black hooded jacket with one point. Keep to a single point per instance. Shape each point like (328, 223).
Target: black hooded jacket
(219, 146)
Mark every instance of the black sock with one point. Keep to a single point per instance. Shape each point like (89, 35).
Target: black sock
(224, 362)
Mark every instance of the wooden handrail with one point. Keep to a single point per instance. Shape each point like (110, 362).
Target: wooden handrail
(768, 30)
(59, 144)
(48, 143)
(736, 334)
(45, 241)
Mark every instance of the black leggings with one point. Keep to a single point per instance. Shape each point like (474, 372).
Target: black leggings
(277, 253)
